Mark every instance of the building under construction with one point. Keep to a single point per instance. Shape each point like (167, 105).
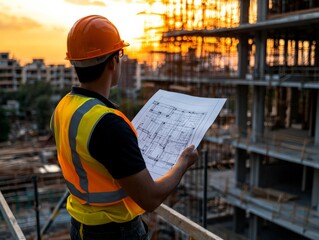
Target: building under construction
(262, 55)
(258, 174)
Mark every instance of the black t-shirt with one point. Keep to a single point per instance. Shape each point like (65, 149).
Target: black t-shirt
(113, 143)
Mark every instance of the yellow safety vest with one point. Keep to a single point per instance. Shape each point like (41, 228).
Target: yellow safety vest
(88, 181)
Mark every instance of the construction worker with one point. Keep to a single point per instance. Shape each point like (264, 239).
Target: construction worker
(109, 184)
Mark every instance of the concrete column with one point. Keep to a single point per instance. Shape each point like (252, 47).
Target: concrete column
(317, 119)
(286, 52)
(259, 72)
(292, 110)
(241, 109)
(242, 91)
(260, 57)
(304, 178)
(317, 53)
(283, 6)
(253, 227)
(255, 168)
(261, 37)
(262, 10)
(288, 110)
(258, 114)
(242, 56)
(276, 105)
(306, 112)
(255, 165)
(315, 190)
(239, 220)
(311, 43)
(296, 52)
(240, 166)
(243, 40)
(282, 94)
(258, 108)
(312, 112)
(294, 104)
(244, 11)
(241, 115)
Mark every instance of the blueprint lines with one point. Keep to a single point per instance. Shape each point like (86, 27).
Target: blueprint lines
(166, 125)
(165, 131)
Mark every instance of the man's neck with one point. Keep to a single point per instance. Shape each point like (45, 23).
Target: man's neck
(102, 85)
(95, 89)
(98, 86)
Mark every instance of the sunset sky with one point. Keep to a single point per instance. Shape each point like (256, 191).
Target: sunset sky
(38, 28)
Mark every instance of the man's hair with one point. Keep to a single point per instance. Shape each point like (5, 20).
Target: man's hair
(90, 74)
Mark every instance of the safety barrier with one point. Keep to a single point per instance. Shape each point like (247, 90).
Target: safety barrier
(192, 229)
(10, 219)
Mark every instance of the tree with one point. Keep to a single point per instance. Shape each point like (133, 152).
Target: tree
(29, 92)
(4, 126)
(43, 110)
(35, 98)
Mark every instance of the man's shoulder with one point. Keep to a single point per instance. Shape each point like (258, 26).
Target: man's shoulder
(113, 124)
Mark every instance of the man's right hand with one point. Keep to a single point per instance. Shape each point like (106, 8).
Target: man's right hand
(189, 156)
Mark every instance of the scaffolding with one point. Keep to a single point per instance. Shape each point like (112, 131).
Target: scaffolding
(189, 54)
(263, 57)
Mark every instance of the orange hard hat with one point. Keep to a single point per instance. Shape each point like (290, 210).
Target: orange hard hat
(91, 37)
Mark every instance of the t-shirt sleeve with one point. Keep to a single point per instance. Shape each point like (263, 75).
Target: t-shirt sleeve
(114, 144)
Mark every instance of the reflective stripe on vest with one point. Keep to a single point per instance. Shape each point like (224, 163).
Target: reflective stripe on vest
(100, 197)
(88, 197)
(52, 124)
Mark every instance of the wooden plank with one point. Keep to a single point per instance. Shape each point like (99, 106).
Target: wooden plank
(272, 194)
(191, 228)
(10, 219)
(25, 150)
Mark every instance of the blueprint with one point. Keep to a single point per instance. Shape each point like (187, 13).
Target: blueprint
(168, 123)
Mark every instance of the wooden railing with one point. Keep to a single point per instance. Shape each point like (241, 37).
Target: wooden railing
(192, 229)
(10, 219)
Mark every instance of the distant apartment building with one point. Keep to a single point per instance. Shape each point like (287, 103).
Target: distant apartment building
(128, 79)
(131, 78)
(10, 73)
(34, 72)
(61, 76)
